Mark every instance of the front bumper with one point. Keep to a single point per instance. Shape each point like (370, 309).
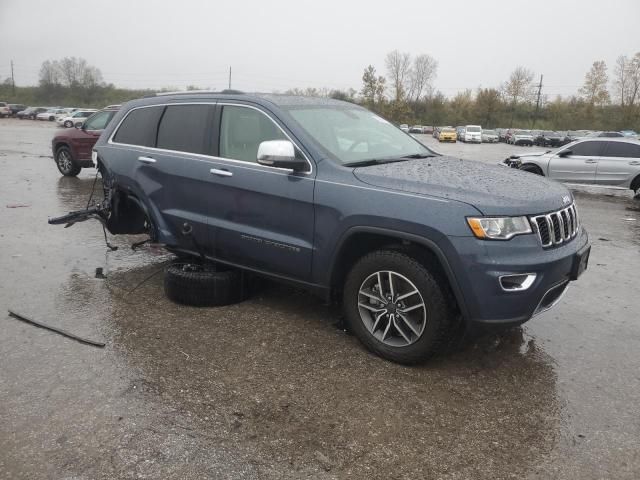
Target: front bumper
(482, 263)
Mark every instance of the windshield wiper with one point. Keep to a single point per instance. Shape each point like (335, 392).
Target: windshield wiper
(376, 161)
(419, 155)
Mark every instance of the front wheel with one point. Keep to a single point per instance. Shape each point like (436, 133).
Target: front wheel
(65, 163)
(397, 307)
(68, 124)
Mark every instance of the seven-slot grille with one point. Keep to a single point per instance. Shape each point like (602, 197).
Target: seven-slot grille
(556, 227)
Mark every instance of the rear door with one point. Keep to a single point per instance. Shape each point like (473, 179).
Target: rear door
(580, 166)
(263, 217)
(619, 164)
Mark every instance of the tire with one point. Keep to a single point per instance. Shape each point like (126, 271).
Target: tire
(415, 341)
(203, 286)
(635, 186)
(78, 124)
(51, 119)
(65, 163)
(68, 124)
(529, 167)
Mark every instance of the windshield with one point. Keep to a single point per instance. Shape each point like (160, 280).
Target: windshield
(489, 132)
(355, 134)
(522, 132)
(550, 134)
(473, 129)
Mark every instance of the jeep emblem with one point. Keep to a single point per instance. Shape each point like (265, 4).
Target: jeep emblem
(566, 199)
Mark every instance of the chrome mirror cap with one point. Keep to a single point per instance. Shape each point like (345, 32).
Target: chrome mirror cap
(276, 152)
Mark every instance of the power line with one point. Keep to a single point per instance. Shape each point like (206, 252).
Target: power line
(13, 81)
(535, 116)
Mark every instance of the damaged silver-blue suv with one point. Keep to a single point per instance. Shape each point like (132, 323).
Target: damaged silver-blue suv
(336, 199)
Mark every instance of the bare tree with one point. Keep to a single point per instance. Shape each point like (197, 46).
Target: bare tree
(421, 76)
(518, 87)
(594, 89)
(399, 72)
(621, 79)
(76, 72)
(49, 73)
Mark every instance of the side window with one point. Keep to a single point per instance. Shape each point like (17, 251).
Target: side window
(622, 149)
(98, 121)
(587, 149)
(242, 130)
(139, 127)
(184, 128)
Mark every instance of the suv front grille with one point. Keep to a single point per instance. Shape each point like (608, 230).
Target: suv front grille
(556, 227)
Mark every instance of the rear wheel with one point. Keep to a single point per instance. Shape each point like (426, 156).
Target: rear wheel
(68, 124)
(397, 307)
(635, 186)
(65, 163)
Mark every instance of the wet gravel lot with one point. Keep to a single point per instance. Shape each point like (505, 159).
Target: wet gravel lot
(270, 388)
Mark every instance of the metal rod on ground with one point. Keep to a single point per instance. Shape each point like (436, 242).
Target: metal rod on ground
(56, 330)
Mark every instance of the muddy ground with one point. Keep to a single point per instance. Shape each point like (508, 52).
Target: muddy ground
(270, 388)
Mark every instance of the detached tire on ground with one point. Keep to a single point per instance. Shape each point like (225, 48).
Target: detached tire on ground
(399, 307)
(203, 286)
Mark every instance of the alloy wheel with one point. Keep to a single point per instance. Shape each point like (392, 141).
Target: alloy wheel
(64, 161)
(392, 308)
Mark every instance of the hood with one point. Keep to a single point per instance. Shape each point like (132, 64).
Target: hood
(531, 154)
(492, 189)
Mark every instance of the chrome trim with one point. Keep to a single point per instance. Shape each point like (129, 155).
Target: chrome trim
(565, 232)
(117, 127)
(221, 173)
(531, 277)
(537, 312)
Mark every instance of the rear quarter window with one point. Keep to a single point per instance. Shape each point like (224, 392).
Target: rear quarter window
(139, 127)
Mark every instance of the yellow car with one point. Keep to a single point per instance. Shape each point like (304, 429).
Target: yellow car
(447, 135)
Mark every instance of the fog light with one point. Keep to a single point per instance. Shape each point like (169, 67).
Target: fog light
(517, 282)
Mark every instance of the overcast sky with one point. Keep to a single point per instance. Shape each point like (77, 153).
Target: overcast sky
(276, 45)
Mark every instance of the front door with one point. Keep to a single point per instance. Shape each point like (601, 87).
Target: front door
(262, 217)
(578, 166)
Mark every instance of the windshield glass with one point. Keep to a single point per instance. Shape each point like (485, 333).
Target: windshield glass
(355, 134)
(523, 132)
(473, 129)
(489, 132)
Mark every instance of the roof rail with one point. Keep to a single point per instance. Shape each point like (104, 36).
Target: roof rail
(189, 92)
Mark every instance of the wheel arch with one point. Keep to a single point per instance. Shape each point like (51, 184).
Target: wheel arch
(358, 241)
(635, 183)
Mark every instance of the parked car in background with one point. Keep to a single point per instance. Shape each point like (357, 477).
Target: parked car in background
(629, 133)
(5, 111)
(489, 136)
(459, 133)
(16, 108)
(50, 114)
(573, 135)
(416, 129)
(427, 130)
(76, 119)
(404, 127)
(505, 135)
(603, 161)
(548, 138)
(472, 134)
(521, 137)
(447, 134)
(72, 147)
(31, 112)
(605, 134)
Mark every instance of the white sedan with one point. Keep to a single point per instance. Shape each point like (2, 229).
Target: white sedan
(76, 119)
(50, 114)
(489, 136)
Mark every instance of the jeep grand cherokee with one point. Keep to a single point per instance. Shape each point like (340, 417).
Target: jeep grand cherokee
(332, 197)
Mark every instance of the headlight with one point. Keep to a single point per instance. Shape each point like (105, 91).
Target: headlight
(499, 228)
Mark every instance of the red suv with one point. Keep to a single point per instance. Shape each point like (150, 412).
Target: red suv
(72, 147)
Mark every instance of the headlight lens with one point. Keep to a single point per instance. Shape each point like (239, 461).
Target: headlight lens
(499, 228)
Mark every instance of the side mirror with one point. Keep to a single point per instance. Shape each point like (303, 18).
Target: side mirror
(565, 153)
(280, 154)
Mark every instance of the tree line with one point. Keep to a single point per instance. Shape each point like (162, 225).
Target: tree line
(405, 93)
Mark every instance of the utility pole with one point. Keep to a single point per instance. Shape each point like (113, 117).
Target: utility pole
(229, 77)
(535, 117)
(13, 81)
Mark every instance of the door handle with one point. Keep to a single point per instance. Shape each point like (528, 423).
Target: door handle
(147, 160)
(590, 161)
(634, 163)
(221, 173)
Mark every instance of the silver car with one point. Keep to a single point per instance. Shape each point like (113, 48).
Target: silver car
(610, 162)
